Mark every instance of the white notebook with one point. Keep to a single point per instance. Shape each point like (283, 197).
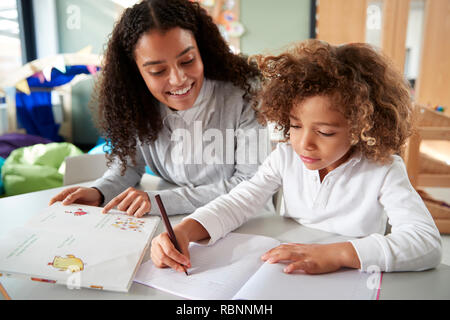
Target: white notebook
(232, 269)
(78, 246)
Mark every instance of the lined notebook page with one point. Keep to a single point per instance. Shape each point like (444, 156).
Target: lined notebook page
(232, 269)
(271, 283)
(217, 272)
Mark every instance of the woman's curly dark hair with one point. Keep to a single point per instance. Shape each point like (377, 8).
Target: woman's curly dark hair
(362, 83)
(127, 111)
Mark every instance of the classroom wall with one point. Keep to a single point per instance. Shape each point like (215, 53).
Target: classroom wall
(82, 23)
(271, 25)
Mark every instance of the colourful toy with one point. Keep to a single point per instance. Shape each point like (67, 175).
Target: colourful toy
(439, 108)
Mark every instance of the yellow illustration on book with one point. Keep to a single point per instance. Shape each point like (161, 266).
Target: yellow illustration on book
(70, 262)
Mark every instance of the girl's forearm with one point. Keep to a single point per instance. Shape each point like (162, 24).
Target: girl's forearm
(348, 256)
(193, 230)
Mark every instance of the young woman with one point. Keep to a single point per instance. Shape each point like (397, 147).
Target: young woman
(173, 96)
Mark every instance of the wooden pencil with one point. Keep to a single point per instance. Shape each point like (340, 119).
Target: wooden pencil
(168, 226)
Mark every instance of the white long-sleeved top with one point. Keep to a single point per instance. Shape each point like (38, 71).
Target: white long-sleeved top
(354, 200)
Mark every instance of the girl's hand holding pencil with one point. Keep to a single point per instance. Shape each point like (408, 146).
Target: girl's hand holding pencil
(163, 251)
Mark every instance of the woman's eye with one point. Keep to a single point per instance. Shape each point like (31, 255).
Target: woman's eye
(295, 127)
(188, 62)
(155, 73)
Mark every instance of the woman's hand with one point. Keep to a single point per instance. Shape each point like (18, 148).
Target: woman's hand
(163, 252)
(314, 258)
(134, 202)
(81, 195)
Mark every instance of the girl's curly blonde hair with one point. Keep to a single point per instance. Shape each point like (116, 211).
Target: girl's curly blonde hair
(362, 83)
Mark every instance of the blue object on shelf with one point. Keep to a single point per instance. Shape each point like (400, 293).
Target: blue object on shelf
(34, 111)
(35, 114)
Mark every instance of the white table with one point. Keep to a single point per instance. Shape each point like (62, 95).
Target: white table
(16, 210)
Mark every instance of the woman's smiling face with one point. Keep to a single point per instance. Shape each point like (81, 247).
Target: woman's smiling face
(171, 66)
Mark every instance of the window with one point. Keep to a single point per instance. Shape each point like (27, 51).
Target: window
(11, 52)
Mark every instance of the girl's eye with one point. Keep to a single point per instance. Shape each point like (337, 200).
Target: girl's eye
(295, 127)
(327, 134)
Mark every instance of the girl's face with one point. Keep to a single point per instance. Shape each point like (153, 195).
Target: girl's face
(319, 134)
(171, 66)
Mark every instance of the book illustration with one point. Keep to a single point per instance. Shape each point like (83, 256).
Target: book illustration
(79, 212)
(128, 223)
(70, 262)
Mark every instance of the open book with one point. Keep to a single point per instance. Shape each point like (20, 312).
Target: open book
(78, 246)
(232, 269)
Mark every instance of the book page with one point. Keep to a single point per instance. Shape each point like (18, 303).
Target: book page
(77, 246)
(77, 218)
(218, 271)
(271, 283)
(87, 259)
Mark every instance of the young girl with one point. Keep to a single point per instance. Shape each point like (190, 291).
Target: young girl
(346, 114)
(168, 71)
